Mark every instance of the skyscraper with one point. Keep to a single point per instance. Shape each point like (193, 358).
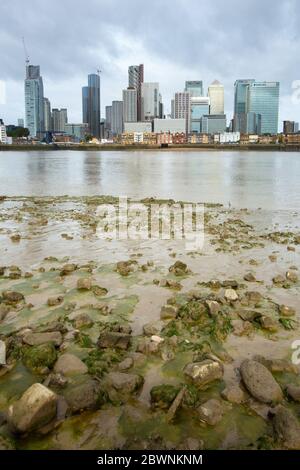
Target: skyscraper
(117, 118)
(130, 105)
(91, 104)
(216, 96)
(195, 88)
(199, 108)
(135, 80)
(108, 118)
(47, 115)
(263, 100)
(59, 119)
(150, 101)
(34, 100)
(240, 95)
(182, 107)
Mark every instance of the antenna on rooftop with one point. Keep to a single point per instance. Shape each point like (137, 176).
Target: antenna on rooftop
(26, 52)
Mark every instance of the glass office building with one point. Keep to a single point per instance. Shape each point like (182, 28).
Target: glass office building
(240, 95)
(34, 101)
(194, 88)
(91, 104)
(263, 100)
(199, 108)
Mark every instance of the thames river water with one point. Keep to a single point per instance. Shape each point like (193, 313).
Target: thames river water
(270, 180)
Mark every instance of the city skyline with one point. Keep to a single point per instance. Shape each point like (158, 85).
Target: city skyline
(225, 54)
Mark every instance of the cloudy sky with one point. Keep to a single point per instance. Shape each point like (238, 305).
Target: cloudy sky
(177, 40)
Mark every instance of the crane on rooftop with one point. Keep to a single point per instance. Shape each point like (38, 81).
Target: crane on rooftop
(27, 61)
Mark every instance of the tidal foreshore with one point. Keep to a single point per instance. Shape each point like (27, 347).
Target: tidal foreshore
(130, 344)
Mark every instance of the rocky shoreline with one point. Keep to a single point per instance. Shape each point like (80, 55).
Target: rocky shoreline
(126, 345)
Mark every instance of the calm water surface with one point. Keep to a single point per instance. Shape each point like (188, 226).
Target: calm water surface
(245, 179)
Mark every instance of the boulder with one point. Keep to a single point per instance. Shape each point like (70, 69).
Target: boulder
(179, 269)
(153, 328)
(35, 339)
(249, 315)
(55, 301)
(83, 321)
(4, 310)
(286, 311)
(40, 358)
(213, 307)
(204, 373)
(168, 312)
(36, 408)
(287, 428)
(269, 324)
(292, 276)
(162, 396)
(82, 396)
(124, 383)
(233, 393)
(260, 382)
(249, 277)
(11, 297)
(293, 391)
(84, 284)
(68, 269)
(126, 364)
(70, 365)
(114, 340)
(211, 412)
(231, 295)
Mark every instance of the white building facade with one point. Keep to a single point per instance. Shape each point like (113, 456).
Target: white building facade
(216, 96)
(150, 101)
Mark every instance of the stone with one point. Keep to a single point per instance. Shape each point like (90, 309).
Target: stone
(277, 365)
(84, 284)
(293, 391)
(4, 310)
(99, 291)
(68, 269)
(35, 339)
(277, 280)
(292, 276)
(273, 258)
(249, 277)
(15, 238)
(260, 382)
(82, 396)
(249, 315)
(70, 365)
(55, 301)
(191, 444)
(204, 373)
(2, 353)
(269, 324)
(211, 412)
(153, 328)
(11, 297)
(125, 383)
(126, 364)
(114, 340)
(231, 295)
(286, 311)
(162, 396)
(213, 307)
(287, 428)
(147, 346)
(40, 358)
(242, 328)
(254, 297)
(36, 408)
(83, 321)
(175, 406)
(230, 283)
(233, 393)
(124, 268)
(168, 312)
(179, 269)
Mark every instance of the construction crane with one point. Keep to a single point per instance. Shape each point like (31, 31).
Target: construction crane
(26, 52)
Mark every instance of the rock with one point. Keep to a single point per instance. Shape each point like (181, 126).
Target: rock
(147, 346)
(15, 238)
(277, 280)
(277, 365)
(83, 321)
(231, 295)
(179, 269)
(35, 339)
(242, 328)
(68, 269)
(260, 382)
(269, 324)
(233, 393)
(70, 365)
(191, 444)
(126, 364)
(254, 297)
(213, 307)
(168, 283)
(56, 380)
(11, 297)
(287, 311)
(84, 284)
(82, 396)
(175, 405)
(294, 392)
(153, 328)
(6, 443)
(273, 258)
(205, 372)
(230, 283)
(99, 291)
(249, 277)
(125, 267)
(211, 412)
(36, 408)
(292, 276)
(125, 383)
(168, 312)
(114, 340)
(55, 301)
(157, 339)
(40, 358)
(162, 396)
(4, 310)
(249, 315)
(287, 428)
(2, 353)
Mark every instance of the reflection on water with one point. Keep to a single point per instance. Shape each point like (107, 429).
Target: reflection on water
(245, 179)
